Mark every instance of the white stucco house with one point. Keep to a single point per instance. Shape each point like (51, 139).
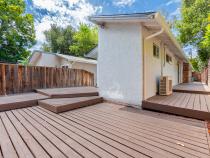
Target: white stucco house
(39, 58)
(134, 50)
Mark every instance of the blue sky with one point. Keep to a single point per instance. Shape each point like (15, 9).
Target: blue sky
(64, 12)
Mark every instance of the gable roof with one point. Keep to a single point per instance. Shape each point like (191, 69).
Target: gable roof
(152, 21)
(77, 59)
(37, 54)
(93, 54)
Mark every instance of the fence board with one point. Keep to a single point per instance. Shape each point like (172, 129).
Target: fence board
(18, 78)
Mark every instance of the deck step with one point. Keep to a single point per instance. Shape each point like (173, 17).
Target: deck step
(70, 92)
(20, 101)
(59, 105)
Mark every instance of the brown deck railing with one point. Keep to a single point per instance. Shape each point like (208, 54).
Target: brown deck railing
(18, 78)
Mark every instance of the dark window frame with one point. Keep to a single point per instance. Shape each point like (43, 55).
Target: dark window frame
(156, 50)
(169, 59)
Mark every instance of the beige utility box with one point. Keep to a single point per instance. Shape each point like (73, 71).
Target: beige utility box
(165, 86)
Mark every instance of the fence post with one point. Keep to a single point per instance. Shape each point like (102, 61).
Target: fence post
(45, 78)
(3, 79)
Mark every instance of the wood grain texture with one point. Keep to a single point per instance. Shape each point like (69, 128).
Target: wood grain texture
(20, 101)
(66, 104)
(70, 92)
(184, 104)
(192, 87)
(103, 130)
(18, 78)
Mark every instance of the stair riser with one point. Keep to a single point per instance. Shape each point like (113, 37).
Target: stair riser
(75, 95)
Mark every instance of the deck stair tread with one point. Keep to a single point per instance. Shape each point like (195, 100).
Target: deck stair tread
(70, 92)
(20, 101)
(58, 105)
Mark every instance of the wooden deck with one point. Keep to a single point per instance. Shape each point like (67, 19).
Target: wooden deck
(184, 104)
(194, 87)
(69, 92)
(20, 101)
(104, 130)
(59, 105)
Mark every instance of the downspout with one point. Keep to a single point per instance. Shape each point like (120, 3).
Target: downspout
(144, 63)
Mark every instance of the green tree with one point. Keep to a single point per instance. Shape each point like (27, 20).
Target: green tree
(85, 39)
(192, 26)
(16, 31)
(58, 39)
(197, 64)
(206, 41)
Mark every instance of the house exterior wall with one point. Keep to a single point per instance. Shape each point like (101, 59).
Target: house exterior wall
(47, 59)
(171, 69)
(120, 63)
(154, 67)
(51, 60)
(84, 66)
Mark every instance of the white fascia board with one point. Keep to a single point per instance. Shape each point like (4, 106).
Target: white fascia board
(77, 59)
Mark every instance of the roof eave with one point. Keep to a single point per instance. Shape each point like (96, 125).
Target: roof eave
(147, 18)
(79, 61)
(160, 19)
(123, 18)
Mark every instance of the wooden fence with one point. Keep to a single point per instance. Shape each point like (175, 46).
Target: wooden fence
(201, 76)
(18, 79)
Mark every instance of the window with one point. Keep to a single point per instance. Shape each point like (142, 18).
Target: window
(156, 51)
(168, 59)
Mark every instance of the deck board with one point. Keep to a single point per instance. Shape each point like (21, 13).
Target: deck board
(29, 140)
(73, 144)
(194, 87)
(59, 105)
(196, 105)
(70, 132)
(20, 101)
(103, 130)
(20, 146)
(69, 92)
(144, 122)
(6, 144)
(56, 141)
(135, 133)
(99, 140)
(49, 146)
(184, 104)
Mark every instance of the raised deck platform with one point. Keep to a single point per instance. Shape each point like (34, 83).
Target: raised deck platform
(70, 92)
(184, 104)
(20, 101)
(65, 104)
(194, 87)
(103, 130)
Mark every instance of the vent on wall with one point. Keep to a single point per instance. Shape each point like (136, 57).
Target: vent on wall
(165, 87)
